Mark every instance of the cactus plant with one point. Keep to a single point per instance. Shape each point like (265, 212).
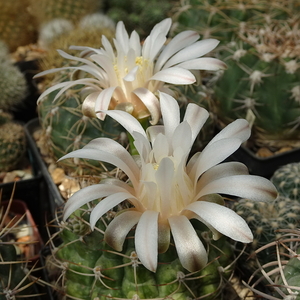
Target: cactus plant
(16, 279)
(12, 143)
(17, 27)
(280, 276)
(73, 10)
(259, 42)
(287, 180)
(87, 268)
(13, 85)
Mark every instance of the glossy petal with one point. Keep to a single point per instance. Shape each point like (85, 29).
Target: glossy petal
(190, 249)
(245, 186)
(146, 239)
(119, 227)
(223, 220)
(203, 63)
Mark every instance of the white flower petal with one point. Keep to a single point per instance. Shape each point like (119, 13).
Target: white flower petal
(170, 114)
(122, 37)
(106, 204)
(237, 129)
(102, 102)
(223, 219)
(182, 138)
(203, 63)
(109, 151)
(146, 239)
(196, 116)
(180, 41)
(119, 227)
(211, 156)
(174, 75)
(88, 194)
(245, 186)
(135, 43)
(193, 51)
(190, 249)
(151, 102)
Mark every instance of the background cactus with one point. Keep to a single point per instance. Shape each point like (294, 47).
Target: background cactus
(86, 268)
(73, 10)
(279, 279)
(13, 85)
(12, 143)
(287, 180)
(17, 27)
(15, 274)
(259, 43)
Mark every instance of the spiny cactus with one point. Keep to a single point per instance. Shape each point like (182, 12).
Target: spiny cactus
(87, 268)
(12, 143)
(17, 27)
(73, 10)
(264, 218)
(287, 180)
(260, 45)
(65, 128)
(15, 277)
(13, 85)
(281, 276)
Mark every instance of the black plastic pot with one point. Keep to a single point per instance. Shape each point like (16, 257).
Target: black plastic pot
(52, 193)
(264, 166)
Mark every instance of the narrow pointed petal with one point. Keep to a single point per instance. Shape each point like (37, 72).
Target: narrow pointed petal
(174, 75)
(193, 51)
(203, 63)
(107, 204)
(130, 123)
(238, 129)
(222, 170)
(190, 249)
(170, 113)
(109, 151)
(251, 187)
(146, 239)
(119, 227)
(88, 194)
(102, 102)
(180, 41)
(151, 102)
(122, 36)
(223, 219)
(211, 156)
(196, 116)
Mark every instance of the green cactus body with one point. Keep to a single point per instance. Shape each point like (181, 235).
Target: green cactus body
(12, 145)
(264, 219)
(66, 129)
(73, 10)
(287, 180)
(13, 85)
(93, 270)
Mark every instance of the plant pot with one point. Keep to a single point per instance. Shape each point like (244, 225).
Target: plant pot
(26, 232)
(52, 193)
(264, 166)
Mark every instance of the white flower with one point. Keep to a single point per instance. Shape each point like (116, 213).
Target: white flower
(130, 78)
(166, 189)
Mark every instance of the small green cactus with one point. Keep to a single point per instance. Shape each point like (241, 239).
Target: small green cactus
(12, 144)
(264, 218)
(90, 269)
(13, 85)
(287, 180)
(280, 278)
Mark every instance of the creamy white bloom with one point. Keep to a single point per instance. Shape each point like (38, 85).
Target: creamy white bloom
(129, 77)
(166, 189)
